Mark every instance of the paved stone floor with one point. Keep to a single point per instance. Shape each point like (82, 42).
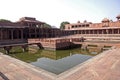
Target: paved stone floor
(13, 69)
(105, 66)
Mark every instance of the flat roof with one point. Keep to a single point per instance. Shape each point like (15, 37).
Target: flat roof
(93, 28)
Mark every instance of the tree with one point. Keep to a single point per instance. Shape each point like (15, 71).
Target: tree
(62, 25)
(4, 20)
(47, 25)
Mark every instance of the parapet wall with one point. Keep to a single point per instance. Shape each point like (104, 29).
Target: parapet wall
(54, 43)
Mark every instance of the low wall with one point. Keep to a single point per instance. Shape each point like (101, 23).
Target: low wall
(54, 43)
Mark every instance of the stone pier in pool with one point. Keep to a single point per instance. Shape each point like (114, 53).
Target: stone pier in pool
(55, 43)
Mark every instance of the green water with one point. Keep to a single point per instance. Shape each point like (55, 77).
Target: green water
(53, 61)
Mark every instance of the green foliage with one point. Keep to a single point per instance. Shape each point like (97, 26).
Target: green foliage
(62, 25)
(47, 25)
(4, 20)
(2, 50)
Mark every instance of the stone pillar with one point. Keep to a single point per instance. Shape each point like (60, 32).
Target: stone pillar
(17, 33)
(29, 31)
(109, 31)
(85, 31)
(96, 31)
(21, 33)
(39, 32)
(88, 31)
(70, 54)
(79, 31)
(40, 46)
(112, 31)
(82, 39)
(106, 31)
(35, 33)
(84, 46)
(102, 31)
(12, 34)
(93, 31)
(1, 34)
(28, 24)
(7, 49)
(118, 31)
(24, 48)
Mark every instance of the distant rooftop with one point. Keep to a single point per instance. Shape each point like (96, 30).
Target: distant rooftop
(29, 19)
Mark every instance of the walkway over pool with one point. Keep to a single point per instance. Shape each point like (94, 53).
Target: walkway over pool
(105, 66)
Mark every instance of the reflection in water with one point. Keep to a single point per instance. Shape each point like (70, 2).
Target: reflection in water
(60, 65)
(64, 53)
(60, 61)
(56, 61)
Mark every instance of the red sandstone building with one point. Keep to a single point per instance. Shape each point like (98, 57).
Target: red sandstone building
(28, 30)
(105, 27)
(28, 27)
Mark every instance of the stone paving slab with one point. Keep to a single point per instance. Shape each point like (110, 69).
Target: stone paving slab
(15, 69)
(105, 66)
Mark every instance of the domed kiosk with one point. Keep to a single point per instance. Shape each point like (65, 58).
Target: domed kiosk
(118, 17)
(105, 20)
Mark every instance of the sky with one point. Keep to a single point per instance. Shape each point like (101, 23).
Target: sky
(54, 12)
